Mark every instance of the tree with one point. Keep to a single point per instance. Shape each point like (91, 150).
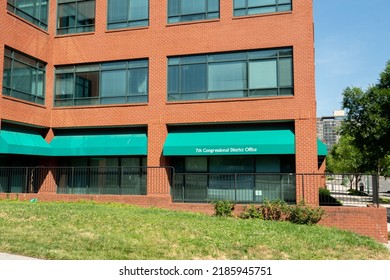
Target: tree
(368, 122)
(344, 158)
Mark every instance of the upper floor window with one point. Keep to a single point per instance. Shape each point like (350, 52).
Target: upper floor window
(127, 13)
(231, 75)
(75, 16)
(191, 10)
(23, 77)
(253, 7)
(34, 11)
(116, 82)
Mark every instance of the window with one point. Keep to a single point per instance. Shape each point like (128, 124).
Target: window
(253, 7)
(127, 13)
(190, 10)
(103, 175)
(34, 11)
(116, 82)
(23, 77)
(231, 75)
(75, 16)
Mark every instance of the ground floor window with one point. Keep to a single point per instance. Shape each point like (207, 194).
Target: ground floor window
(102, 175)
(245, 179)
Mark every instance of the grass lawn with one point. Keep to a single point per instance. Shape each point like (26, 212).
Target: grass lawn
(86, 230)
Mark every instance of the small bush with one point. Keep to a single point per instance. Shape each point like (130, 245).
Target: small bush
(251, 212)
(274, 210)
(305, 215)
(326, 199)
(356, 192)
(224, 208)
(280, 211)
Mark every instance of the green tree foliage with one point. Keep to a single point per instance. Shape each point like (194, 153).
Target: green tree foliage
(368, 122)
(345, 158)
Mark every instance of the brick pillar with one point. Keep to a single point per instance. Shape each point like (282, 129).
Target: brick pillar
(306, 160)
(158, 176)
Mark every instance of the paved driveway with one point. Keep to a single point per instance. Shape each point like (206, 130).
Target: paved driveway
(5, 256)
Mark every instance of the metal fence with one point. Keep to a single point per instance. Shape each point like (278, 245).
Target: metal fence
(237, 187)
(349, 189)
(329, 189)
(82, 180)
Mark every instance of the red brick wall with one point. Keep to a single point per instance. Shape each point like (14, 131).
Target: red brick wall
(157, 42)
(368, 221)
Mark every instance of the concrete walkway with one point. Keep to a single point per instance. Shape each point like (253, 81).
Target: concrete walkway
(8, 257)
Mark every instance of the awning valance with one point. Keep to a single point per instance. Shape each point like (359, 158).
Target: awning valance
(230, 142)
(321, 148)
(99, 145)
(15, 142)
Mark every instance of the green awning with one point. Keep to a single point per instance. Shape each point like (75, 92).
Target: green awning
(321, 148)
(99, 145)
(22, 143)
(232, 142)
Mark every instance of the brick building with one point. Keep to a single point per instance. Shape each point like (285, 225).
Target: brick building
(221, 90)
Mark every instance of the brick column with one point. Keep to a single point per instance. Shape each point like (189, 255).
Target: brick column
(306, 160)
(158, 175)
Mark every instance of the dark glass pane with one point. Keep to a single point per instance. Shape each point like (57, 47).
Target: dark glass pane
(64, 86)
(67, 15)
(227, 94)
(117, 10)
(227, 76)
(173, 79)
(231, 164)
(193, 78)
(194, 96)
(239, 4)
(87, 84)
(173, 7)
(285, 72)
(213, 6)
(138, 81)
(40, 83)
(86, 13)
(139, 9)
(7, 72)
(257, 3)
(22, 77)
(113, 83)
(193, 7)
(263, 74)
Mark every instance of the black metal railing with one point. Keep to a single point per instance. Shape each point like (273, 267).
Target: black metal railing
(329, 189)
(349, 189)
(124, 180)
(237, 187)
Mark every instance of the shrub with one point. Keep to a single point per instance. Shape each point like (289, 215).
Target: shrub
(251, 212)
(224, 208)
(356, 192)
(326, 199)
(274, 210)
(305, 215)
(280, 211)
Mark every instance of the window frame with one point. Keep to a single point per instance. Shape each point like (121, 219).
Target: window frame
(215, 58)
(246, 11)
(41, 22)
(75, 28)
(184, 17)
(98, 99)
(144, 22)
(39, 68)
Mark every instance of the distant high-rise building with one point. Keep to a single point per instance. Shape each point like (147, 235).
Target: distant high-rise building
(328, 128)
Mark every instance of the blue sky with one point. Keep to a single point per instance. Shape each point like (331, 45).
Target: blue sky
(352, 42)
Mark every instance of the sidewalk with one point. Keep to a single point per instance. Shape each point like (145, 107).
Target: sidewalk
(5, 256)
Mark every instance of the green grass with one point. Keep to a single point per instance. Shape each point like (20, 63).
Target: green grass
(87, 230)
